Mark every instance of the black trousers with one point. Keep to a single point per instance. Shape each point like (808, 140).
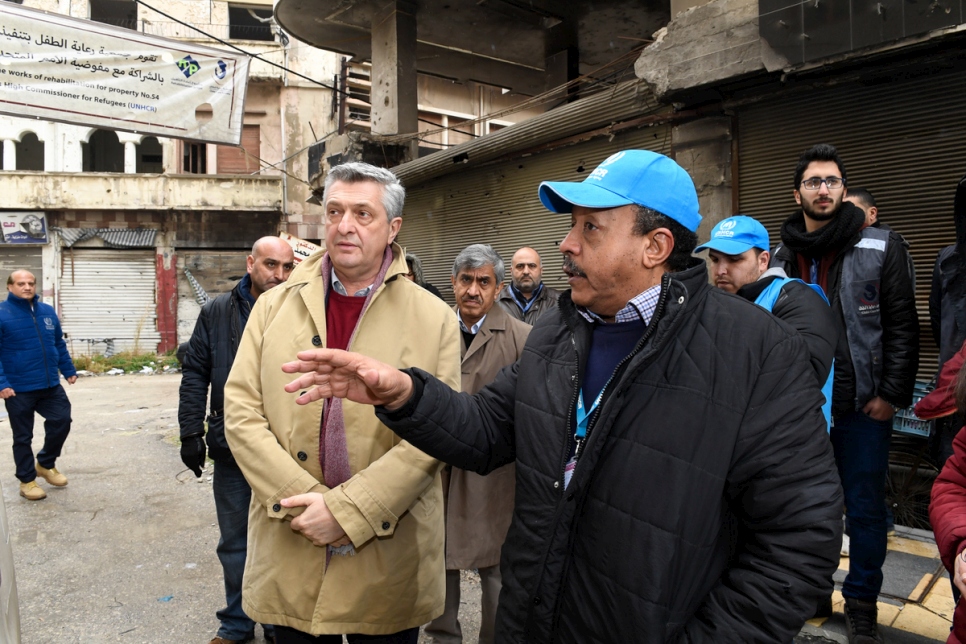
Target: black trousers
(285, 635)
(51, 403)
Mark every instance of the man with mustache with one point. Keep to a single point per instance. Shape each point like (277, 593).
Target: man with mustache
(674, 478)
(864, 272)
(478, 508)
(739, 255)
(528, 297)
(207, 361)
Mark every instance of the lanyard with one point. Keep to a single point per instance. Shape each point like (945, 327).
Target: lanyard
(583, 416)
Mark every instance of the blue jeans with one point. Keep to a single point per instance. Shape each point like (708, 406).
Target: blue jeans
(232, 497)
(861, 446)
(51, 403)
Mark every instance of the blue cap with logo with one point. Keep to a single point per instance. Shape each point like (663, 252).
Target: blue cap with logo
(735, 235)
(630, 177)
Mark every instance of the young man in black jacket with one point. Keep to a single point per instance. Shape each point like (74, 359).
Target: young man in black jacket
(865, 273)
(739, 253)
(208, 359)
(675, 481)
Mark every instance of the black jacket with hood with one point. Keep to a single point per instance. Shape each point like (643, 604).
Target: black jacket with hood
(207, 361)
(947, 297)
(705, 506)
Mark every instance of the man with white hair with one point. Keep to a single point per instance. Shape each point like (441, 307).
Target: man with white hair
(346, 523)
(478, 508)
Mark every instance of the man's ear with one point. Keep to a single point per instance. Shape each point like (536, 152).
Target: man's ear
(394, 226)
(763, 258)
(658, 245)
(250, 262)
(798, 197)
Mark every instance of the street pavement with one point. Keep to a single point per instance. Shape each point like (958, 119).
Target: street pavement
(126, 552)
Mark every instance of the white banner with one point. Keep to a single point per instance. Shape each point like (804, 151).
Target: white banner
(75, 71)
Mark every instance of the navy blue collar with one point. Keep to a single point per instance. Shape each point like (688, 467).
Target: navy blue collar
(523, 302)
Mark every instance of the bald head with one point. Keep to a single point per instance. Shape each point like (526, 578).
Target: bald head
(270, 264)
(23, 284)
(526, 270)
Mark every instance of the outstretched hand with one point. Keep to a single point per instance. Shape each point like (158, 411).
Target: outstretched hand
(331, 373)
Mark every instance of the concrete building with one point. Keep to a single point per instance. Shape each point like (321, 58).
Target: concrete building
(129, 216)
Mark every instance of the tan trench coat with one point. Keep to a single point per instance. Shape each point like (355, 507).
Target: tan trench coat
(479, 508)
(391, 508)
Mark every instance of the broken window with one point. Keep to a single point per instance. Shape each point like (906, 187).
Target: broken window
(248, 23)
(120, 13)
(30, 153)
(244, 159)
(195, 159)
(149, 156)
(103, 153)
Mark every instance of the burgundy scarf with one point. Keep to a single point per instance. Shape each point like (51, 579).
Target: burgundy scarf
(333, 453)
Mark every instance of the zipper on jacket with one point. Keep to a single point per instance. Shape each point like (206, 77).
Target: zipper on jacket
(570, 413)
(40, 338)
(658, 311)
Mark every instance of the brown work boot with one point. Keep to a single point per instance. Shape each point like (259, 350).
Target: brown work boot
(32, 492)
(222, 640)
(861, 621)
(52, 476)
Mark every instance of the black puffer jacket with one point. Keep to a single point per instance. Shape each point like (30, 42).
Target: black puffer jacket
(900, 326)
(804, 310)
(706, 506)
(211, 352)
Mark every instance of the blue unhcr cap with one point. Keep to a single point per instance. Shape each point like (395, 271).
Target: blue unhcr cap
(735, 235)
(630, 177)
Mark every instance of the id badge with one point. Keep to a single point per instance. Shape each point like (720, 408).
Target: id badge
(569, 471)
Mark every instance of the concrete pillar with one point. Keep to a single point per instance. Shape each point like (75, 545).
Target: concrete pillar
(703, 148)
(9, 154)
(130, 157)
(393, 95)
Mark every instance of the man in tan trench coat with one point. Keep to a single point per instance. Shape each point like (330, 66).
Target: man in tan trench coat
(345, 528)
(478, 508)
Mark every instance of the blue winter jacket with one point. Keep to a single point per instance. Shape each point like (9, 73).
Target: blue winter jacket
(32, 346)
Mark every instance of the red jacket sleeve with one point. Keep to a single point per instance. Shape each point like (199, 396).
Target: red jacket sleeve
(947, 510)
(942, 400)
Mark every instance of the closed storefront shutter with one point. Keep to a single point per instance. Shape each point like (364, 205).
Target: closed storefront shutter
(902, 141)
(109, 295)
(14, 258)
(498, 205)
(243, 160)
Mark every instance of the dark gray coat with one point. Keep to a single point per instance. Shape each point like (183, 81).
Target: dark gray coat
(706, 506)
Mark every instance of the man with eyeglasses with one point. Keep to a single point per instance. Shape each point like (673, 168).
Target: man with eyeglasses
(864, 272)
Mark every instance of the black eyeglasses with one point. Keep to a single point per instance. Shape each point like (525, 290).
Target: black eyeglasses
(833, 183)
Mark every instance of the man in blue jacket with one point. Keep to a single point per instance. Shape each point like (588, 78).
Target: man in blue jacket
(32, 350)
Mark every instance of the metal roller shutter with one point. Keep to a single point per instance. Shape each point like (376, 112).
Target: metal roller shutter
(109, 295)
(902, 141)
(498, 205)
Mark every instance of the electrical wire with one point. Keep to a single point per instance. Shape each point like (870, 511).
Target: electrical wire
(239, 49)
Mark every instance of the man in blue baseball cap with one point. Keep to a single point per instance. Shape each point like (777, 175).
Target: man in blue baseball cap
(674, 478)
(738, 250)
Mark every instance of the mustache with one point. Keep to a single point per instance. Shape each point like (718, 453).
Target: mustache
(570, 267)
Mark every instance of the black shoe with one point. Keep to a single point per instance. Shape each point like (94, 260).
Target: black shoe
(824, 608)
(861, 622)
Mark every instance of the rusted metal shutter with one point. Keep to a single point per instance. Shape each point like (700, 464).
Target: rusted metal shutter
(243, 160)
(497, 204)
(109, 295)
(902, 141)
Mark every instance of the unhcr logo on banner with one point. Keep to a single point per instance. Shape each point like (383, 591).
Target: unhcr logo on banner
(188, 66)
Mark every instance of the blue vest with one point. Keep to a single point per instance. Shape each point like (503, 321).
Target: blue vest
(766, 300)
